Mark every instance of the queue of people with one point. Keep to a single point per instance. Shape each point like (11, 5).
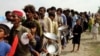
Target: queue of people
(38, 22)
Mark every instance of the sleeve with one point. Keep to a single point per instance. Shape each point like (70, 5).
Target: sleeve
(64, 19)
(8, 48)
(47, 24)
(25, 29)
(39, 28)
(56, 28)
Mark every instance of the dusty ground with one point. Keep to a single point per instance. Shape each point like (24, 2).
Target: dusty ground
(89, 47)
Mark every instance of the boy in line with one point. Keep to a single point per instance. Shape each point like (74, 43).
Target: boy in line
(4, 47)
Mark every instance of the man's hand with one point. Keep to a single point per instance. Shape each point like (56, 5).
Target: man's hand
(30, 36)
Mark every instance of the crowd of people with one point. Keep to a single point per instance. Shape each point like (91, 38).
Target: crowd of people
(36, 23)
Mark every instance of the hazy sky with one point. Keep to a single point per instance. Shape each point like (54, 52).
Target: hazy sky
(79, 5)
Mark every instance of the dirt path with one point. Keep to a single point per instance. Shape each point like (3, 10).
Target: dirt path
(85, 47)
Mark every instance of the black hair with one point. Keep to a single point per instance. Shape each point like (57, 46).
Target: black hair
(5, 28)
(37, 12)
(29, 7)
(78, 20)
(42, 8)
(53, 8)
(7, 12)
(31, 24)
(68, 10)
(60, 9)
(48, 9)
